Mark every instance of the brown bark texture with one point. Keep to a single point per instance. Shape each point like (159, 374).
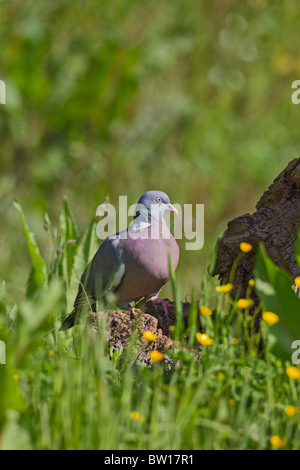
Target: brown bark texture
(275, 223)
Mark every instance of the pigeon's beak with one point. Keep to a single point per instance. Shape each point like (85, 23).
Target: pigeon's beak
(172, 209)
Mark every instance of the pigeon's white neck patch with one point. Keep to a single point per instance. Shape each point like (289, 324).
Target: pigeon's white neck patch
(138, 225)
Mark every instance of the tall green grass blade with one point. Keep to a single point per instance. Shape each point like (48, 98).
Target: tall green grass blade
(69, 239)
(38, 274)
(176, 290)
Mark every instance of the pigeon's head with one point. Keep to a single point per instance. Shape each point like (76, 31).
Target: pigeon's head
(153, 204)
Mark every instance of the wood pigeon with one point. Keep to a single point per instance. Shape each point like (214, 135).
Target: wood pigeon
(133, 263)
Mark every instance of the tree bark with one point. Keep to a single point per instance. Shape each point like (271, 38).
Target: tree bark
(275, 223)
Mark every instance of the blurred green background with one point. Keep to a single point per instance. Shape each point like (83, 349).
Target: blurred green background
(189, 97)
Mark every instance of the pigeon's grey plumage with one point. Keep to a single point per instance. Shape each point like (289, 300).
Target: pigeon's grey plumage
(133, 263)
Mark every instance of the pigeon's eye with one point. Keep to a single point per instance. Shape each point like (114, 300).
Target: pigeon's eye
(158, 199)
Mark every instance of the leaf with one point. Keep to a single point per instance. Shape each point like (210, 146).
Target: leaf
(212, 265)
(273, 286)
(38, 274)
(87, 247)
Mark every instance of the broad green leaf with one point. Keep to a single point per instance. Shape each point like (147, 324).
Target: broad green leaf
(87, 247)
(38, 274)
(274, 287)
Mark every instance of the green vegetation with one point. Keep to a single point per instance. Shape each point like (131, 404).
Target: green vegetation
(190, 97)
(115, 98)
(70, 390)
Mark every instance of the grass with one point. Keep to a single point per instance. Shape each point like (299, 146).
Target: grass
(69, 390)
(115, 98)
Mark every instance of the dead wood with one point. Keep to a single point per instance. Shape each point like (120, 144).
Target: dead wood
(275, 223)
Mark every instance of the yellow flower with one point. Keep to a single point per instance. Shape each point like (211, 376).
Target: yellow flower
(225, 288)
(231, 401)
(50, 352)
(234, 341)
(278, 442)
(156, 356)
(221, 376)
(137, 416)
(297, 281)
(244, 303)
(245, 247)
(205, 311)
(149, 336)
(204, 339)
(293, 373)
(270, 318)
(291, 410)
(16, 377)
(251, 282)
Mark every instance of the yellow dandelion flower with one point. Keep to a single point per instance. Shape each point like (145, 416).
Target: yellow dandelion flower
(291, 410)
(293, 373)
(231, 401)
(225, 288)
(297, 281)
(234, 341)
(244, 303)
(278, 442)
(245, 247)
(16, 377)
(50, 352)
(136, 416)
(251, 282)
(205, 311)
(204, 339)
(149, 336)
(270, 318)
(156, 356)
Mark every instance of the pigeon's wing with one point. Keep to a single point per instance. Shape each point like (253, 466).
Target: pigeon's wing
(107, 269)
(104, 274)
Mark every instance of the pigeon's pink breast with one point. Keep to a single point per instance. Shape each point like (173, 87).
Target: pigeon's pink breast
(146, 262)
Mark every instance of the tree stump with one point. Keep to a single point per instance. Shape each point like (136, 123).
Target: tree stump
(275, 223)
(122, 325)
